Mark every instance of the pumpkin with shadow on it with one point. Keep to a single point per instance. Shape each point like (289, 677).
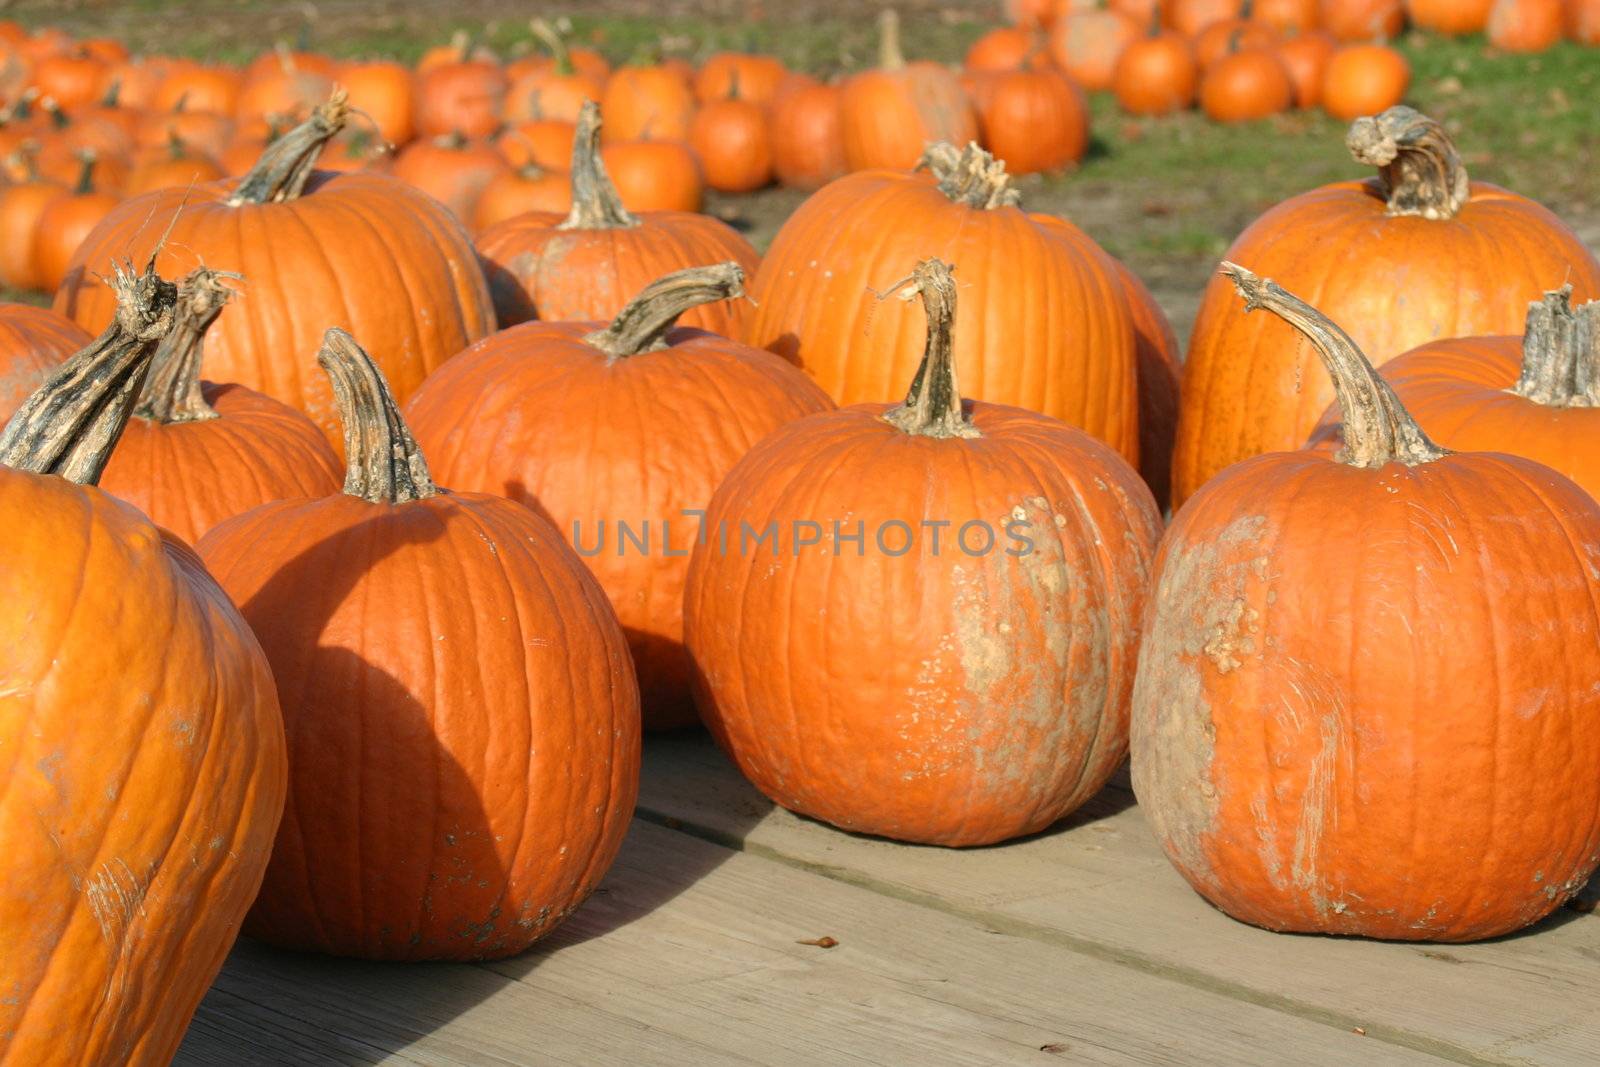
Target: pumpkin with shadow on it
(585, 266)
(453, 169)
(33, 343)
(196, 452)
(963, 676)
(516, 415)
(1415, 254)
(457, 697)
(144, 770)
(1306, 58)
(1365, 700)
(364, 250)
(888, 115)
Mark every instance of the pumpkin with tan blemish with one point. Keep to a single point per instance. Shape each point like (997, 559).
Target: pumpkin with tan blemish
(961, 679)
(1365, 701)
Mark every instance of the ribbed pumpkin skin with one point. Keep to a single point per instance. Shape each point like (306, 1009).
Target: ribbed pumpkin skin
(1364, 702)
(438, 807)
(1160, 377)
(1419, 280)
(950, 699)
(142, 784)
(33, 342)
(190, 476)
(1044, 323)
(533, 413)
(1458, 391)
(536, 270)
(362, 251)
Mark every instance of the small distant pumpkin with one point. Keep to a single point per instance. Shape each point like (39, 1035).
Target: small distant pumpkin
(1364, 79)
(888, 115)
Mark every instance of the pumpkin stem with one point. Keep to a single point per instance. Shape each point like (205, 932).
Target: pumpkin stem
(384, 465)
(595, 202)
(284, 168)
(1561, 352)
(890, 57)
(553, 43)
(970, 176)
(643, 325)
(1418, 167)
(1377, 427)
(86, 161)
(71, 424)
(933, 403)
(172, 393)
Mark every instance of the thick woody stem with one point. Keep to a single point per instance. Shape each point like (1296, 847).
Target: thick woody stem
(1418, 165)
(595, 202)
(172, 393)
(643, 325)
(933, 404)
(970, 176)
(384, 465)
(1377, 427)
(890, 57)
(284, 168)
(1561, 352)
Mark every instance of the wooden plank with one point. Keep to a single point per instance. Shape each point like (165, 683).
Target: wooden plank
(1100, 887)
(691, 955)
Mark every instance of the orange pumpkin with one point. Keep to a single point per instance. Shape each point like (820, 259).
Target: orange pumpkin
(283, 85)
(170, 166)
(1583, 22)
(194, 87)
(807, 143)
(463, 98)
(647, 104)
(1288, 17)
(1156, 75)
(452, 169)
(521, 190)
(585, 266)
(1189, 17)
(889, 115)
(1364, 79)
(1087, 44)
(1453, 17)
(1245, 86)
(33, 343)
(1306, 59)
(1439, 257)
(21, 205)
(144, 776)
(1017, 343)
(655, 175)
(1526, 25)
(1160, 377)
(1006, 48)
(514, 416)
(1363, 20)
(545, 143)
(1232, 35)
(71, 78)
(207, 133)
(362, 249)
(1329, 733)
(383, 93)
(1032, 120)
(1008, 642)
(67, 221)
(734, 143)
(737, 76)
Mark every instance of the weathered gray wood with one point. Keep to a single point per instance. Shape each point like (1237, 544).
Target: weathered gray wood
(1100, 887)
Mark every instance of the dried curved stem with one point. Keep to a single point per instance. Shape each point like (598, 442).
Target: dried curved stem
(1561, 352)
(1417, 163)
(933, 404)
(71, 424)
(643, 325)
(1377, 427)
(547, 36)
(890, 57)
(596, 204)
(284, 168)
(172, 393)
(970, 176)
(383, 463)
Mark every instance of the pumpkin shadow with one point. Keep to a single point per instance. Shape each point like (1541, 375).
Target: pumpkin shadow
(510, 301)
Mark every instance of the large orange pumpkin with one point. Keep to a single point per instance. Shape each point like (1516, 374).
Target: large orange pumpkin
(585, 266)
(515, 415)
(33, 343)
(957, 675)
(457, 697)
(362, 250)
(196, 453)
(1047, 324)
(1365, 701)
(144, 770)
(1416, 254)
(887, 116)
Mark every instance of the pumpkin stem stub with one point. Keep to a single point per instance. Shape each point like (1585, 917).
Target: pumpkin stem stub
(932, 406)
(1561, 352)
(1377, 428)
(172, 393)
(890, 56)
(1418, 165)
(71, 424)
(643, 325)
(286, 165)
(970, 176)
(596, 204)
(384, 464)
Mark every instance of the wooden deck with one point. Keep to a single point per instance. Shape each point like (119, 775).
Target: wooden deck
(1079, 946)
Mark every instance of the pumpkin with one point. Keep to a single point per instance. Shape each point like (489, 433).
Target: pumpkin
(584, 267)
(1526, 25)
(65, 222)
(71, 78)
(196, 453)
(1031, 14)
(357, 149)
(457, 697)
(1156, 75)
(545, 143)
(737, 76)
(197, 87)
(1087, 44)
(585, 61)
(1033, 120)
(461, 48)
(1159, 377)
(1288, 17)
(170, 165)
(144, 776)
(1246, 86)
(807, 144)
(734, 144)
(1453, 17)
(21, 205)
(1223, 38)
(519, 191)
(1364, 79)
(554, 90)
(365, 250)
(452, 169)
(1047, 324)
(384, 93)
(515, 415)
(1583, 22)
(1363, 20)
(283, 83)
(955, 692)
(1535, 396)
(1006, 48)
(207, 133)
(887, 116)
(463, 98)
(281, 58)
(1189, 17)
(1306, 59)
(647, 104)
(33, 343)
(655, 175)
(1365, 697)
(1438, 256)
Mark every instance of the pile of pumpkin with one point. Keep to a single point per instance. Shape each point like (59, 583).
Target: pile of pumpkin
(352, 639)
(1241, 60)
